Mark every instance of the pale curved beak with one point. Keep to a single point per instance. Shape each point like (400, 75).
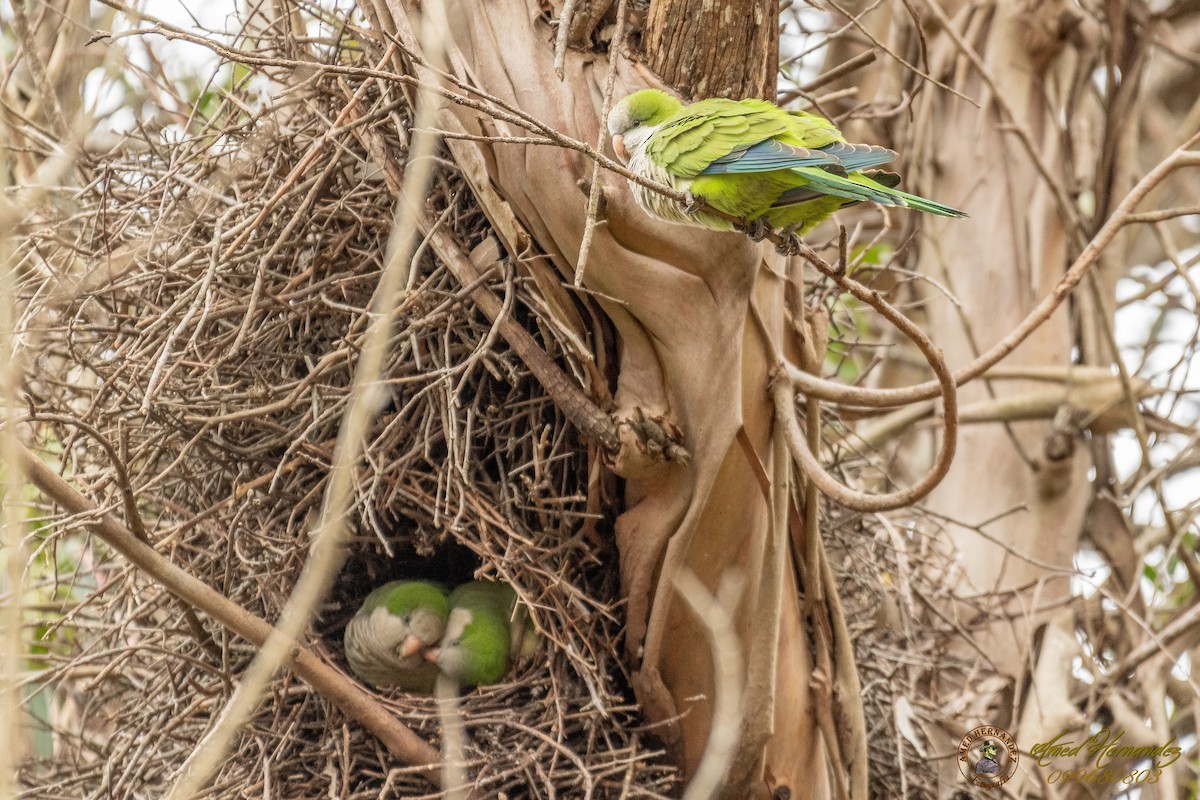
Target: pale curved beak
(410, 646)
(431, 655)
(618, 143)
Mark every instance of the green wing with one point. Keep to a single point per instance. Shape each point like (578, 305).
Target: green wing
(705, 132)
(858, 187)
(486, 638)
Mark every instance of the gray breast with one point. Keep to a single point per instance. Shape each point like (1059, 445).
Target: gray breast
(660, 206)
(371, 642)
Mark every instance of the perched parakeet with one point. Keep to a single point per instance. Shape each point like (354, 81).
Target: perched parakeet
(750, 159)
(486, 633)
(387, 639)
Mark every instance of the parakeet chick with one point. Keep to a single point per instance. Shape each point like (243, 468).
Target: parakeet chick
(387, 639)
(486, 633)
(750, 159)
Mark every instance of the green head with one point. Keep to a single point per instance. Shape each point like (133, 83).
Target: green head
(416, 611)
(476, 646)
(633, 120)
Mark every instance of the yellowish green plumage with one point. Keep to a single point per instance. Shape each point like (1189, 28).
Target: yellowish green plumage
(751, 160)
(387, 640)
(486, 633)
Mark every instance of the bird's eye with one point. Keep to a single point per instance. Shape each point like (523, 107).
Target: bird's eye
(455, 644)
(407, 619)
(637, 122)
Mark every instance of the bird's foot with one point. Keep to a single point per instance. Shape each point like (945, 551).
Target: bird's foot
(789, 243)
(691, 206)
(757, 228)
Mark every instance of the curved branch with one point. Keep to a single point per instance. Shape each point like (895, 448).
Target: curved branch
(330, 683)
(834, 392)
(810, 465)
(785, 413)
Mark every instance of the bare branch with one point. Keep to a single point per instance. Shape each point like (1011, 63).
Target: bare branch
(335, 686)
(886, 398)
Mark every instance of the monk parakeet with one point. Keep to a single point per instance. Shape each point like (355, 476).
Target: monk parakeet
(387, 639)
(750, 159)
(486, 633)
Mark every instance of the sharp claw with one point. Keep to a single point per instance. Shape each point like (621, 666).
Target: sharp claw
(691, 205)
(757, 228)
(791, 245)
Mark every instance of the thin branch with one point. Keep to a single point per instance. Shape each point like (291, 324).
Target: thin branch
(1162, 216)
(563, 36)
(330, 683)
(46, 93)
(840, 71)
(887, 398)
(133, 517)
(593, 206)
(326, 552)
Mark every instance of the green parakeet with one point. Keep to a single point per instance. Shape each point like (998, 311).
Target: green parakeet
(750, 159)
(387, 639)
(486, 633)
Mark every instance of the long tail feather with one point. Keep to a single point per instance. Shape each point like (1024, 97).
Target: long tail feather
(861, 188)
(924, 204)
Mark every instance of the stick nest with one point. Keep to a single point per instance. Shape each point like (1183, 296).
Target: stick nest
(213, 347)
(199, 305)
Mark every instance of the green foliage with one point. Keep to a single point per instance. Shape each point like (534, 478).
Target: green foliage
(849, 323)
(53, 579)
(878, 254)
(224, 98)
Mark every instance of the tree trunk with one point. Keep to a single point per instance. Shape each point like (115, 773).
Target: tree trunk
(1029, 470)
(707, 49)
(1017, 494)
(689, 358)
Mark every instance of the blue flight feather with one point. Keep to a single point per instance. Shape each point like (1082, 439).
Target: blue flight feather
(766, 156)
(855, 157)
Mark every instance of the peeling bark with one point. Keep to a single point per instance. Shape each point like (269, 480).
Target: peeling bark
(688, 353)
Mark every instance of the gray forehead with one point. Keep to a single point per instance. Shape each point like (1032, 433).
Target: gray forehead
(618, 119)
(388, 626)
(459, 619)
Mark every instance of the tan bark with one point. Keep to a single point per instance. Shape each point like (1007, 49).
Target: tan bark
(688, 355)
(969, 157)
(706, 49)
